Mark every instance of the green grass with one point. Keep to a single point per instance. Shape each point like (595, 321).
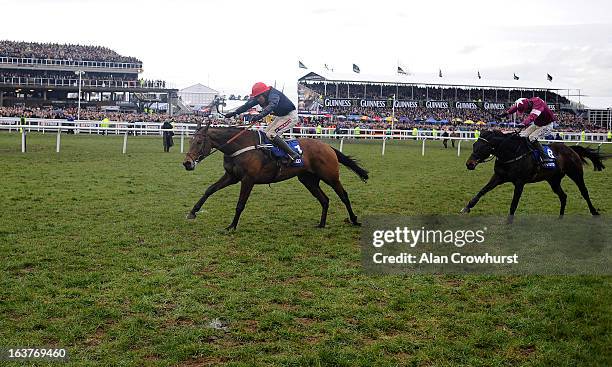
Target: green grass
(97, 257)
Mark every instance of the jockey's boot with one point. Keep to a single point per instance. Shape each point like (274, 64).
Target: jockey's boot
(281, 143)
(537, 146)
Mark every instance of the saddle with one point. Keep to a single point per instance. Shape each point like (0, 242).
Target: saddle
(548, 161)
(278, 154)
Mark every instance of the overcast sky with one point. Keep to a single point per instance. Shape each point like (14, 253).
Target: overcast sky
(229, 45)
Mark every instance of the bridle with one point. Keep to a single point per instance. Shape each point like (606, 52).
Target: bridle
(491, 156)
(201, 156)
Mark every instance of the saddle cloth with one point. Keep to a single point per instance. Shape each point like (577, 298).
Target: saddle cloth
(549, 161)
(279, 153)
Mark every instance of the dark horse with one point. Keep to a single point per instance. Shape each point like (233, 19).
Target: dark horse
(255, 166)
(514, 163)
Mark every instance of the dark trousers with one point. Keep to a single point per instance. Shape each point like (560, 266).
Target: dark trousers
(168, 142)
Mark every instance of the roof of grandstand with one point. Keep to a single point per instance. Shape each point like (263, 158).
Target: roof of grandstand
(597, 102)
(429, 80)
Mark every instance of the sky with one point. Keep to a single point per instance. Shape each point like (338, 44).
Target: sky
(229, 45)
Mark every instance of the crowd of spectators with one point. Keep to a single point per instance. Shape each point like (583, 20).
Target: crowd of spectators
(46, 77)
(450, 115)
(407, 92)
(72, 53)
(64, 75)
(576, 126)
(409, 117)
(62, 52)
(96, 115)
(567, 121)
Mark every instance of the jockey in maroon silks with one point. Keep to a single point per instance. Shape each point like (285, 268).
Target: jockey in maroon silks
(539, 121)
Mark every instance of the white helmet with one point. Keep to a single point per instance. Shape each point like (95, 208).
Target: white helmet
(519, 101)
(522, 104)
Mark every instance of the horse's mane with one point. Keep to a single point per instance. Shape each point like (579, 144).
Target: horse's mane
(233, 129)
(500, 134)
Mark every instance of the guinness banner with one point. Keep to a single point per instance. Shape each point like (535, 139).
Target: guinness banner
(467, 105)
(310, 100)
(333, 102)
(494, 106)
(437, 104)
(406, 104)
(369, 103)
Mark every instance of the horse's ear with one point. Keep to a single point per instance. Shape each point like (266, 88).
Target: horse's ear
(207, 126)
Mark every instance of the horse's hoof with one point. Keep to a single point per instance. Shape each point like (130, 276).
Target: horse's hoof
(465, 210)
(510, 219)
(230, 228)
(352, 221)
(320, 226)
(191, 216)
(595, 214)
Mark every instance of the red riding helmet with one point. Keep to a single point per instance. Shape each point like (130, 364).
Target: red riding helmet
(259, 88)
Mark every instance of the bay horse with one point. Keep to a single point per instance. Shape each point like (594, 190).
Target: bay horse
(245, 163)
(514, 163)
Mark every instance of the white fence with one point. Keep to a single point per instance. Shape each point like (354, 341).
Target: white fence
(184, 130)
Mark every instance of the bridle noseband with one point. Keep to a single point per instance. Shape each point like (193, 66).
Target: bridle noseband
(491, 156)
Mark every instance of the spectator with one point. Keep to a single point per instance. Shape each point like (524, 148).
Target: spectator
(167, 136)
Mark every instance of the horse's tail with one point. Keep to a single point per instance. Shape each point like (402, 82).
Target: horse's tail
(351, 163)
(595, 156)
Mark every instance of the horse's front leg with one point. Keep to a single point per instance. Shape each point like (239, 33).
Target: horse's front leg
(224, 181)
(245, 192)
(495, 181)
(518, 191)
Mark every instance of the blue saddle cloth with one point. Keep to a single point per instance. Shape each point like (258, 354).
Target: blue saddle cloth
(549, 161)
(280, 154)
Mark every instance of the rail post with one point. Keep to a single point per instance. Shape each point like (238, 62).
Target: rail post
(125, 136)
(23, 140)
(182, 138)
(57, 140)
(383, 147)
(423, 148)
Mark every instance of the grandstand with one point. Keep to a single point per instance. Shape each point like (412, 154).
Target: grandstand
(411, 99)
(49, 75)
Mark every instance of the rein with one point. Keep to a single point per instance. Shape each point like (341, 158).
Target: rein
(491, 157)
(230, 140)
(517, 158)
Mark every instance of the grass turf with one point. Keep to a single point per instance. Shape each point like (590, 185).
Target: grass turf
(97, 257)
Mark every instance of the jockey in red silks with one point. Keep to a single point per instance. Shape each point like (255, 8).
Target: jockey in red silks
(274, 102)
(539, 121)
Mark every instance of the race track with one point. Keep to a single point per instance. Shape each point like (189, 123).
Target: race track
(99, 258)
